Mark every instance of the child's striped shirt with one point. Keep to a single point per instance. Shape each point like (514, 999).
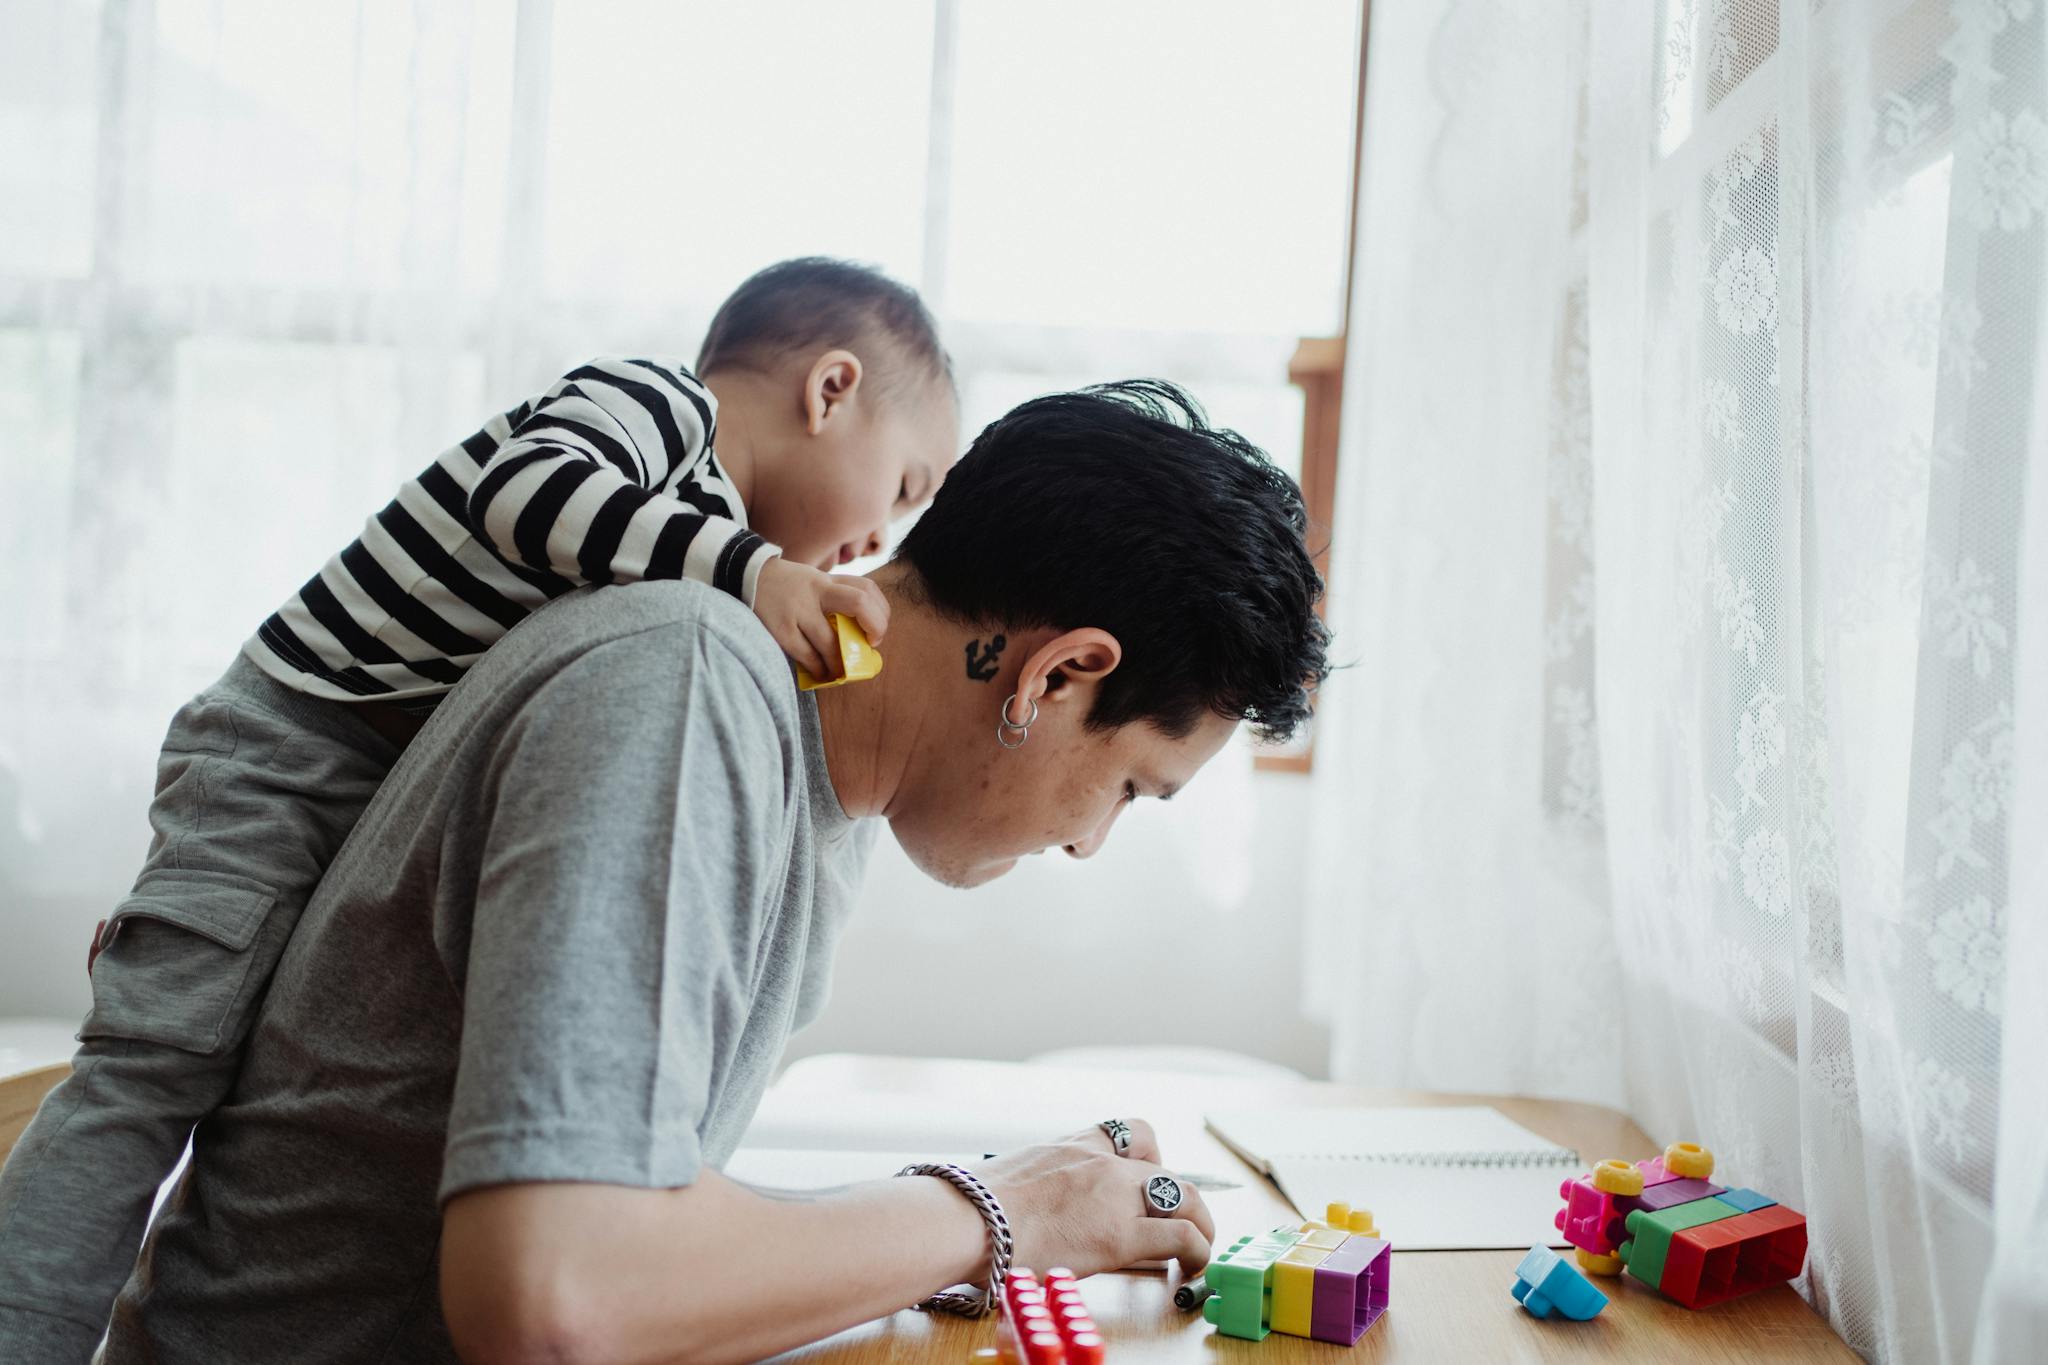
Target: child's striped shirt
(608, 476)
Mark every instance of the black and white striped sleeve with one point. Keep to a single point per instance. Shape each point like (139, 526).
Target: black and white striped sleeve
(575, 489)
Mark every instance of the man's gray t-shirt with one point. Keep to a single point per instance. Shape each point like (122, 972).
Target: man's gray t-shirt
(567, 941)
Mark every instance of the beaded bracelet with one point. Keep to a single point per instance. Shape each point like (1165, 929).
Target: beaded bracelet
(972, 1303)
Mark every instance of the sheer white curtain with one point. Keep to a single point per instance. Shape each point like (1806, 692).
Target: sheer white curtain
(1459, 916)
(1758, 616)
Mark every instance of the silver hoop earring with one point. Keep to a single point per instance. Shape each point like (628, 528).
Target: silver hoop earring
(1004, 724)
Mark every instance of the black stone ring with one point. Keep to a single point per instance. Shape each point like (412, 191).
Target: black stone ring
(1163, 1195)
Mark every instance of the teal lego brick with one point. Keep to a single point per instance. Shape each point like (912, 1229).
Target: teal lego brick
(1649, 1234)
(1749, 1201)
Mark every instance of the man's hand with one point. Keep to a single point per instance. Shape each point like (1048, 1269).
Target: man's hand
(569, 1271)
(1075, 1203)
(796, 603)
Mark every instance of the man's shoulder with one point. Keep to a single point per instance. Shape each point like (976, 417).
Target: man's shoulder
(724, 638)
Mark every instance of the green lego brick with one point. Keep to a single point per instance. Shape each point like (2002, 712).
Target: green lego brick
(1239, 1286)
(1240, 1302)
(1650, 1233)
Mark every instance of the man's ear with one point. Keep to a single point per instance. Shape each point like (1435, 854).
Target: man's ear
(1087, 655)
(833, 378)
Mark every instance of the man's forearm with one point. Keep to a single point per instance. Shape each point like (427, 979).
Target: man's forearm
(711, 1272)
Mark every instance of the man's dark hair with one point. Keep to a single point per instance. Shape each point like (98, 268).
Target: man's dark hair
(815, 304)
(1120, 507)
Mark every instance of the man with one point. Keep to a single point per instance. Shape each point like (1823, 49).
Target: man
(533, 1005)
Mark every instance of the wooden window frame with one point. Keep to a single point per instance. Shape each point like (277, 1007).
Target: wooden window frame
(1317, 369)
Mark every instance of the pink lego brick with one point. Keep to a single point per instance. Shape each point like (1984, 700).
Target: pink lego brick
(1591, 1219)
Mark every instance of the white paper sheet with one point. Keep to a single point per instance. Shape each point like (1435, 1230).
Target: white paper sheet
(1436, 1179)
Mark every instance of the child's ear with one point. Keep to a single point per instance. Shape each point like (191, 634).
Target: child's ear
(833, 378)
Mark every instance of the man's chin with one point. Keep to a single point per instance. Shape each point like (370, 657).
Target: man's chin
(988, 872)
(967, 878)
(952, 871)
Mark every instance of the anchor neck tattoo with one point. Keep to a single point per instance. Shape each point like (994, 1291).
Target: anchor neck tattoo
(981, 664)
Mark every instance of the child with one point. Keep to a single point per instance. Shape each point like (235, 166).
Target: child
(834, 411)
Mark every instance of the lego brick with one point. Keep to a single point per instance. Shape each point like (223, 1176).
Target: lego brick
(1597, 1265)
(1654, 1172)
(1666, 1193)
(1786, 1253)
(1241, 1288)
(1344, 1218)
(1650, 1233)
(1294, 1288)
(1260, 1284)
(1047, 1323)
(1749, 1201)
(1700, 1266)
(1591, 1219)
(1722, 1260)
(1352, 1288)
(1615, 1176)
(1690, 1160)
(1545, 1283)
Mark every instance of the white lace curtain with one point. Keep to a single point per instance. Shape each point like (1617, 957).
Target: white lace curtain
(1697, 756)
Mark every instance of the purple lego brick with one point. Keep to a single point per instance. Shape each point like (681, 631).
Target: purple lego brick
(1351, 1290)
(1672, 1192)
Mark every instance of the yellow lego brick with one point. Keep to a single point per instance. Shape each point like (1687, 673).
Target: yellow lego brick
(1345, 1218)
(858, 659)
(1322, 1237)
(1294, 1288)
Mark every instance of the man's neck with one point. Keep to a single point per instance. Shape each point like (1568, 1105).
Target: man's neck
(871, 727)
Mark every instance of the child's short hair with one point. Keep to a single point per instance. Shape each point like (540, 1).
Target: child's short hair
(817, 303)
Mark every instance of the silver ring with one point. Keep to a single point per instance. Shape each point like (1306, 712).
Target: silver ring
(1163, 1195)
(1004, 724)
(1119, 1135)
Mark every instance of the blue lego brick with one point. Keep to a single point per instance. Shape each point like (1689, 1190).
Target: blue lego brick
(1749, 1201)
(1546, 1283)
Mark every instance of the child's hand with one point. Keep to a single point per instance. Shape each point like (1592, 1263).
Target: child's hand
(796, 601)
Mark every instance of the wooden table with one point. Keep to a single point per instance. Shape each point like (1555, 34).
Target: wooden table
(1446, 1305)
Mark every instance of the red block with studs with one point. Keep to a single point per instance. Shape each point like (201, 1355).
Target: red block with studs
(1044, 1322)
(1730, 1257)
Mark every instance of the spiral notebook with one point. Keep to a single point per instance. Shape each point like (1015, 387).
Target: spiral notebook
(1455, 1178)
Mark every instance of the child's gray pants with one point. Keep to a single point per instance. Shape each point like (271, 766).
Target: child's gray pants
(256, 789)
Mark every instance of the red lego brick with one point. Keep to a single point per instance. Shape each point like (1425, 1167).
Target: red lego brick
(1722, 1260)
(1046, 1322)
